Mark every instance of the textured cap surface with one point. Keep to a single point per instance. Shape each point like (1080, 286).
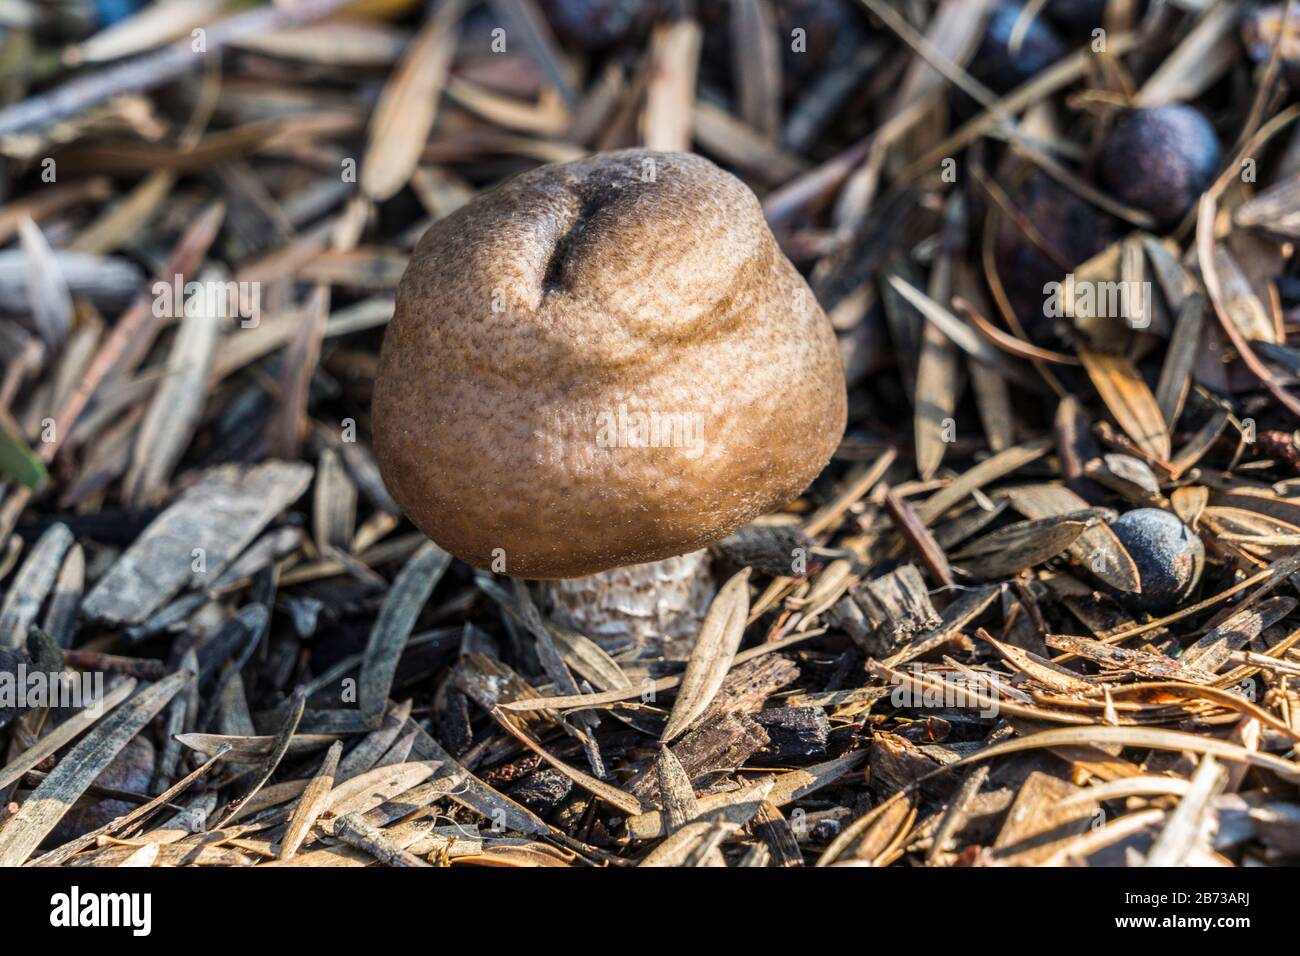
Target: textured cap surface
(603, 363)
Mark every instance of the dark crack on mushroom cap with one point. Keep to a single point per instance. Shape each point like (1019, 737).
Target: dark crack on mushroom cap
(536, 324)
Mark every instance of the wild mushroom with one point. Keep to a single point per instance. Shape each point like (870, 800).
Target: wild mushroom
(603, 364)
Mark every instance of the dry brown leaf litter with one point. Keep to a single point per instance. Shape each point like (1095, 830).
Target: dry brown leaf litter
(190, 507)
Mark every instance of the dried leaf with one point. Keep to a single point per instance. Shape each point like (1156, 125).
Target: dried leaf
(991, 469)
(48, 295)
(612, 795)
(311, 804)
(173, 414)
(255, 749)
(406, 598)
(713, 655)
(1204, 54)
(1024, 544)
(1097, 548)
(32, 584)
(1189, 826)
(406, 110)
(1129, 399)
(65, 732)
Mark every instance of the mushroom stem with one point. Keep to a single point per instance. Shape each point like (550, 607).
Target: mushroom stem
(656, 607)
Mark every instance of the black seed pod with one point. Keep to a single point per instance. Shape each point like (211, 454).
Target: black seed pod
(597, 24)
(1002, 69)
(1168, 554)
(1080, 17)
(1073, 228)
(1160, 159)
(814, 36)
(131, 770)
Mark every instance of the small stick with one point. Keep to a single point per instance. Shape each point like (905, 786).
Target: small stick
(146, 668)
(353, 830)
(919, 536)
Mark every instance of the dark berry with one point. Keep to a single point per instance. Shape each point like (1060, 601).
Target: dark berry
(1080, 17)
(833, 29)
(111, 11)
(597, 24)
(1168, 554)
(131, 770)
(1075, 231)
(1160, 159)
(1002, 69)
(830, 33)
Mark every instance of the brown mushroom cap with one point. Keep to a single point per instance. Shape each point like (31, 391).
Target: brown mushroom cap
(603, 363)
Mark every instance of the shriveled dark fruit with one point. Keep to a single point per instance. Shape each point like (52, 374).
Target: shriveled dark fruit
(1002, 69)
(833, 31)
(1078, 17)
(131, 770)
(597, 24)
(542, 790)
(1160, 159)
(1168, 554)
(1074, 228)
